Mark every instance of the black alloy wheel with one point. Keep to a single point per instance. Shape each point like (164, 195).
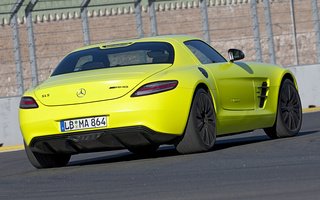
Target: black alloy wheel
(289, 114)
(200, 133)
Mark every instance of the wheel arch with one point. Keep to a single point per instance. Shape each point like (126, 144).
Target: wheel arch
(290, 76)
(208, 90)
(286, 74)
(203, 86)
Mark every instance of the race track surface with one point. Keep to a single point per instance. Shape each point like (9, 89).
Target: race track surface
(246, 166)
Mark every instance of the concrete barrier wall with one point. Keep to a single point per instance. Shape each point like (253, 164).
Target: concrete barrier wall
(308, 78)
(10, 133)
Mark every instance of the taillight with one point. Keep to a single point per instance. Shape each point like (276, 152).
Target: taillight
(155, 87)
(28, 102)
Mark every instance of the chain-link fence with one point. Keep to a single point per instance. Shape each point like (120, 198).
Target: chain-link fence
(36, 34)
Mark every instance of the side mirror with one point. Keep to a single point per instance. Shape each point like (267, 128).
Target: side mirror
(235, 54)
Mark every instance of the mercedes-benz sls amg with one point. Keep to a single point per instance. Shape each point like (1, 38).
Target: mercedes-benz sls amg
(141, 93)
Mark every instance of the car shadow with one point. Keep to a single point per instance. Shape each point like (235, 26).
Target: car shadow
(124, 156)
(233, 142)
(170, 151)
(302, 133)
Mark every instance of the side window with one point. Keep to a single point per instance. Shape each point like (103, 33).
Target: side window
(204, 52)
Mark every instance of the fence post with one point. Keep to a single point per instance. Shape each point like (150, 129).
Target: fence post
(137, 10)
(84, 20)
(16, 45)
(153, 20)
(316, 26)
(267, 13)
(32, 49)
(205, 23)
(294, 32)
(256, 30)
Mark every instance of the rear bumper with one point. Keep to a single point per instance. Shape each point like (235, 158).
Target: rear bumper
(99, 140)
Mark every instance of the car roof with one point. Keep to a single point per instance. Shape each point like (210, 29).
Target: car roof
(162, 38)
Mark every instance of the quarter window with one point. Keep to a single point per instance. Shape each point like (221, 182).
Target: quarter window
(204, 52)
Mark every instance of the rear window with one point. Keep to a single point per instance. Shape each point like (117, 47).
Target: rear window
(116, 55)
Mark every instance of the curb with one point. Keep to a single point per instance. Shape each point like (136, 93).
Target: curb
(12, 148)
(20, 147)
(306, 110)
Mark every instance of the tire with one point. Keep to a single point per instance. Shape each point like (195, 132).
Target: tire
(144, 150)
(200, 132)
(289, 112)
(39, 160)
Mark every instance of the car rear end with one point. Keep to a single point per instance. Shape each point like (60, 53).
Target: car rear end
(101, 98)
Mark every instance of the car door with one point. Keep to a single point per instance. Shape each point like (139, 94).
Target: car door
(234, 81)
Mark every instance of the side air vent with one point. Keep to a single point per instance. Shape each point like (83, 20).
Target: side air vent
(263, 91)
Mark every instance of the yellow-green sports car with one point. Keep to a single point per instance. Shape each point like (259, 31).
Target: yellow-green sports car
(138, 94)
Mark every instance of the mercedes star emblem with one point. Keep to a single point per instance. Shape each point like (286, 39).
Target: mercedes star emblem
(81, 92)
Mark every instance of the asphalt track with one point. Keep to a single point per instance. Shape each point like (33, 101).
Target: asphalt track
(246, 166)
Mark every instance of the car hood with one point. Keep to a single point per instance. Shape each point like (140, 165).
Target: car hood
(93, 85)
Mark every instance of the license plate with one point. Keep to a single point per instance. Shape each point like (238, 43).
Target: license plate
(83, 123)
